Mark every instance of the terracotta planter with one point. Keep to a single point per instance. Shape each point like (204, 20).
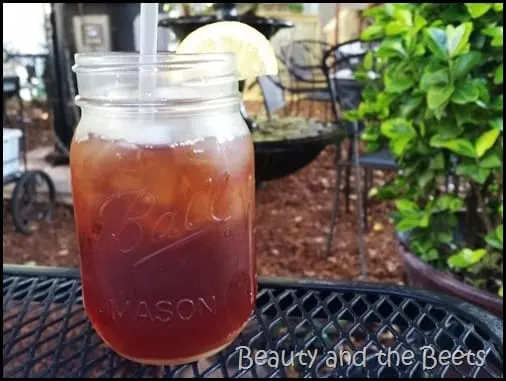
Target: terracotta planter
(422, 275)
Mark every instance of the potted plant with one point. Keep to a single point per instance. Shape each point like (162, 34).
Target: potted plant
(437, 103)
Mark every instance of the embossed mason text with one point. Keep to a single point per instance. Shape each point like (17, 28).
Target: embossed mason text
(162, 311)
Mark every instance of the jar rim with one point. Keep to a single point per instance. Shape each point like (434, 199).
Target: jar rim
(121, 61)
(114, 79)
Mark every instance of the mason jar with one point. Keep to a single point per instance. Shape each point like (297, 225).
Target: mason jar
(162, 172)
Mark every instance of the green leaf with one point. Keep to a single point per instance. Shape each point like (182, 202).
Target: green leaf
(445, 237)
(424, 179)
(437, 141)
(395, 28)
(493, 31)
(437, 162)
(458, 38)
(466, 258)
(465, 63)
(490, 161)
(373, 146)
(499, 233)
(439, 96)
(486, 141)
(369, 92)
(448, 130)
(467, 115)
(368, 61)
(372, 32)
(389, 9)
(404, 16)
(409, 40)
(474, 172)
(460, 146)
(496, 123)
(497, 104)
(498, 75)
(465, 92)
(478, 9)
(422, 128)
(391, 48)
(419, 50)
(481, 84)
(496, 33)
(407, 207)
(437, 43)
(500, 292)
(452, 15)
(424, 221)
(479, 41)
(410, 105)
(422, 147)
(434, 79)
(498, 7)
(431, 255)
(394, 128)
(497, 41)
(351, 115)
(448, 202)
(399, 144)
(407, 224)
(386, 193)
(385, 99)
(492, 240)
(439, 112)
(456, 204)
(398, 83)
(374, 12)
(420, 22)
(370, 136)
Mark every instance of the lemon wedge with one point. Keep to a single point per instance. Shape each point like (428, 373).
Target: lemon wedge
(254, 53)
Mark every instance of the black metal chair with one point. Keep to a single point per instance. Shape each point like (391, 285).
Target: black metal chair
(301, 60)
(339, 64)
(288, 90)
(346, 94)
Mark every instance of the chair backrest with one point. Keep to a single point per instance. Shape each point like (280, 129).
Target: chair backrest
(303, 58)
(338, 65)
(273, 94)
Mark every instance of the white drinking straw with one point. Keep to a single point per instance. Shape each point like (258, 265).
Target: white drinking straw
(149, 29)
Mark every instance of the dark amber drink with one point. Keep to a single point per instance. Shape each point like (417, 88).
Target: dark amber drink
(159, 231)
(163, 190)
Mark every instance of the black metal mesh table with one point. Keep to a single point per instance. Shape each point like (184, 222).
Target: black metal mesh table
(401, 333)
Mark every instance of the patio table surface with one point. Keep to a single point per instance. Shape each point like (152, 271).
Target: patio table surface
(299, 328)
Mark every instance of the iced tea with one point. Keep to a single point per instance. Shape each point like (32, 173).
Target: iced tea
(163, 192)
(165, 234)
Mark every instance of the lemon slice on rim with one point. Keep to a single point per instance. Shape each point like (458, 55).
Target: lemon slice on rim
(254, 53)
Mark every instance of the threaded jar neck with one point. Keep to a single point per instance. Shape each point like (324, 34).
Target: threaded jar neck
(166, 81)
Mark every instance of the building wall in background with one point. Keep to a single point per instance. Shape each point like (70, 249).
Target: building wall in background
(327, 11)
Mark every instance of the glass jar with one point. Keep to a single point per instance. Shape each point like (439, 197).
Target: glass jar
(163, 190)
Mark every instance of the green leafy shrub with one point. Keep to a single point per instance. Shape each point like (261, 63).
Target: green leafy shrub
(437, 103)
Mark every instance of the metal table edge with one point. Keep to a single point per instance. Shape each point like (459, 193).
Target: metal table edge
(491, 323)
